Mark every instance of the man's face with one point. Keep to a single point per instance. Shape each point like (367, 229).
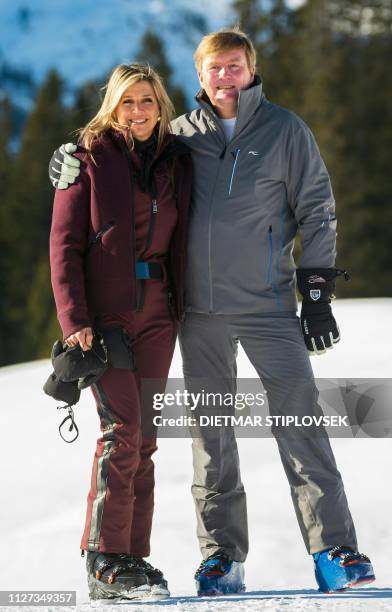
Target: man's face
(222, 77)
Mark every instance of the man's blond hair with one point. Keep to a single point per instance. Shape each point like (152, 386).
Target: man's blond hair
(225, 40)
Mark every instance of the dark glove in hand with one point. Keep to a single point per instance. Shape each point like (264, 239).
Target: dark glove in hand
(73, 364)
(318, 324)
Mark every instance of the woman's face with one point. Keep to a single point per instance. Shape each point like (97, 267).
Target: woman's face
(139, 110)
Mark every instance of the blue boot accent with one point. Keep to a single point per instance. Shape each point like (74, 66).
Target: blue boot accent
(340, 568)
(219, 575)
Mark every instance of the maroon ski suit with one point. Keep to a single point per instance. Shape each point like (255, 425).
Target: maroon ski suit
(102, 225)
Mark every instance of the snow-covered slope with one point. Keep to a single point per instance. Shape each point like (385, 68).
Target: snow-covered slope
(45, 483)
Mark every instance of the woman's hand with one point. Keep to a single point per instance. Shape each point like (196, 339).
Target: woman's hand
(84, 337)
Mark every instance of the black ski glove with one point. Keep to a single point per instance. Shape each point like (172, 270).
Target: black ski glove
(318, 324)
(73, 364)
(67, 392)
(64, 168)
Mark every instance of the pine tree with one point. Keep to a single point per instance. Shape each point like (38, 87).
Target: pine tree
(252, 19)
(270, 31)
(5, 138)
(40, 310)
(6, 161)
(28, 217)
(86, 105)
(152, 51)
(319, 61)
(364, 84)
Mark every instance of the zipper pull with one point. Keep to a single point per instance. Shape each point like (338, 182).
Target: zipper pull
(103, 231)
(154, 207)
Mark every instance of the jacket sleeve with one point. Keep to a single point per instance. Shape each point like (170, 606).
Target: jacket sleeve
(311, 199)
(68, 243)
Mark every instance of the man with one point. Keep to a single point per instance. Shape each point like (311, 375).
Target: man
(258, 180)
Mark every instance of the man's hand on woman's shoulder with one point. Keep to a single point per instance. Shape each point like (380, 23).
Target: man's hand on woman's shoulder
(64, 168)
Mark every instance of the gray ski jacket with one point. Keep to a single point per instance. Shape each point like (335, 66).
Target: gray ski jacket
(250, 197)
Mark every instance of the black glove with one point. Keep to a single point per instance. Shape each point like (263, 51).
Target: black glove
(74, 364)
(67, 392)
(318, 324)
(64, 168)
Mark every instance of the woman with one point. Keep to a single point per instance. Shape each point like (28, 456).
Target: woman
(117, 250)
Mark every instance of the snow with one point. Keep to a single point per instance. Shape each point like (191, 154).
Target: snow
(45, 484)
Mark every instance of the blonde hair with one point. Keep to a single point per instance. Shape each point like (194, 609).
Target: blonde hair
(122, 77)
(225, 40)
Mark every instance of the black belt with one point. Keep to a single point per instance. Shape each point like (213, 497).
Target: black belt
(146, 270)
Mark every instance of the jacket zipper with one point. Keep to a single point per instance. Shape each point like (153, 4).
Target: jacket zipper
(154, 206)
(133, 229)
(151, 227)
(236, 154)
(211, 301)
(221, 156)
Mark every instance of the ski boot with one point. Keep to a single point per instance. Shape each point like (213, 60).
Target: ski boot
(341, 568)
(156, 579)
(219, 575)
(114, 578)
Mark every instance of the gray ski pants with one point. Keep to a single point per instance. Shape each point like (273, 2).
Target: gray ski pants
(274, 344)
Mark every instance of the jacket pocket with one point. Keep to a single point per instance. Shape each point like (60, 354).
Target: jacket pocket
(99, 235)
(270, 256)
(94, 255)
(271, 276)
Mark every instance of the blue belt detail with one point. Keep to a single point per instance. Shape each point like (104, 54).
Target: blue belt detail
(149, 270)
(142, 270)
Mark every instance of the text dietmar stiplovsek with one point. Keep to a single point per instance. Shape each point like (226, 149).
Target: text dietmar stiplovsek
(253, 421)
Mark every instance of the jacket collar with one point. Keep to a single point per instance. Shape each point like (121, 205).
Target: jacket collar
(171, 147)
(249, 101)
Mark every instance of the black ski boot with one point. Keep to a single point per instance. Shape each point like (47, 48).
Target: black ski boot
(156, 579)
(114, 577)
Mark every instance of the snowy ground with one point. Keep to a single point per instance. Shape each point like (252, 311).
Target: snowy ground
(45, 483)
